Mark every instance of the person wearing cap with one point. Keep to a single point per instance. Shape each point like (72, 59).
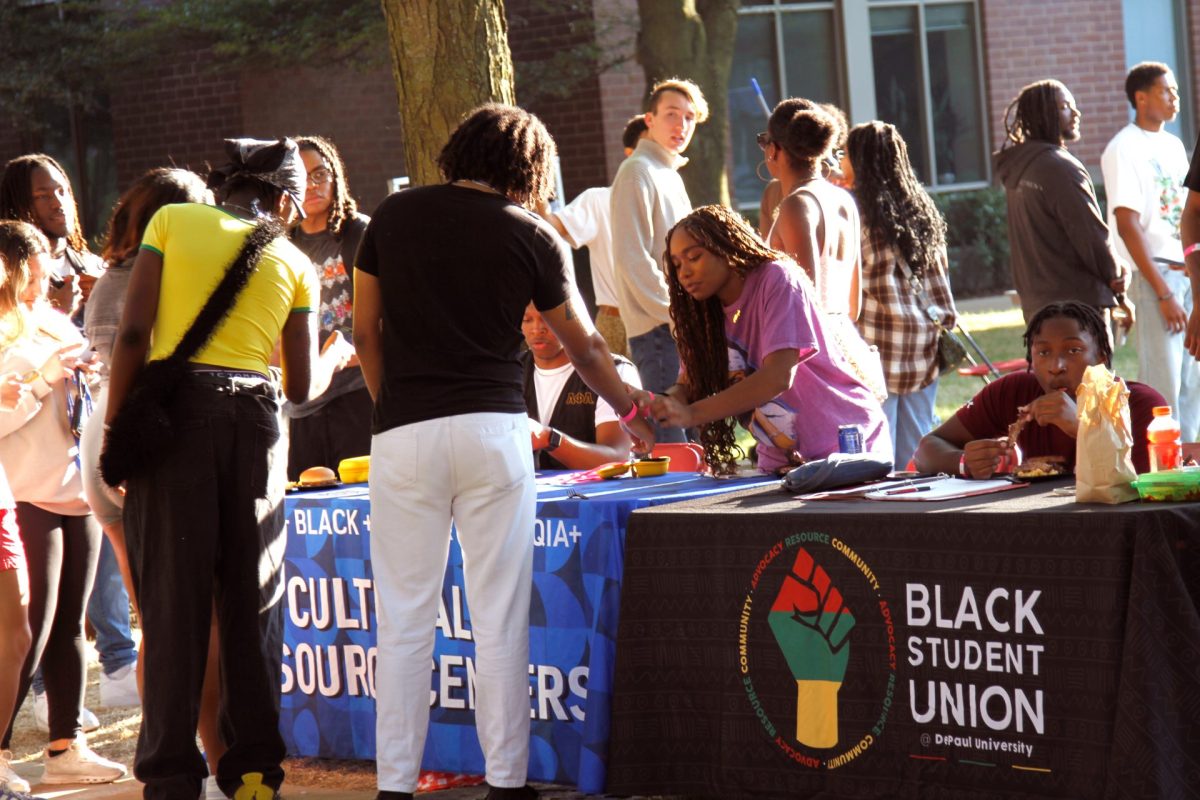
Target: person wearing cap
(208, 525)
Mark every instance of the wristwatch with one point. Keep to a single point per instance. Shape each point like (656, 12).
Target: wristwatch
(554, 441)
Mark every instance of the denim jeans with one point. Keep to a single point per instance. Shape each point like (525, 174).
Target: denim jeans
(909, 416)
(207, 525)
(108, 612)
(657, 361)
(1162, 361)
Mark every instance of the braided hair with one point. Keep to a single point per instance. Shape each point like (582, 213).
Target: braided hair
(700, 324)
(16, 195)
(893, 203)
(1089, 319)
(506, 148)
(1033, 116)
(343, 206)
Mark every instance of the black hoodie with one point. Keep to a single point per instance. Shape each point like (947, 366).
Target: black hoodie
(1060, 244)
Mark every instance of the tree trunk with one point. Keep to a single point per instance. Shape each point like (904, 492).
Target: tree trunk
(448, 56)
(694, 39)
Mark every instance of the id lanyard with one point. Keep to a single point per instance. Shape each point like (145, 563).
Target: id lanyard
(79, 406)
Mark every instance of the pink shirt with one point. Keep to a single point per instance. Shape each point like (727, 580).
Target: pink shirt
(775, 313)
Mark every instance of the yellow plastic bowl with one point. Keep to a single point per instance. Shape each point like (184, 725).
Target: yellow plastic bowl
(648, 468)
(613, 470)
(355, 470)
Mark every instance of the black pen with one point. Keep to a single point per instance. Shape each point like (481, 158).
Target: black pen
(908, 490)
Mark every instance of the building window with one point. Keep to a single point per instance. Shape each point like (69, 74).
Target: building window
(926, 79)
(792, 50)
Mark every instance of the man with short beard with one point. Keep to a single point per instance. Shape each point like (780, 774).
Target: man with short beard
(1060, 246)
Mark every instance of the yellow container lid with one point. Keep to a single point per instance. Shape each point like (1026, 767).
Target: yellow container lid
(355, 470)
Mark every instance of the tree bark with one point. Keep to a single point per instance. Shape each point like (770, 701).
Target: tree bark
(695, 39)
(448, 56)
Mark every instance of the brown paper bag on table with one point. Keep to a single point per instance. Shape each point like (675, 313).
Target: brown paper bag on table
(1104, 445)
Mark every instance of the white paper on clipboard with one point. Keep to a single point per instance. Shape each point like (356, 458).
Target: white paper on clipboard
(945, 489)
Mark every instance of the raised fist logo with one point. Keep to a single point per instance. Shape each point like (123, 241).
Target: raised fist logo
(812, 625)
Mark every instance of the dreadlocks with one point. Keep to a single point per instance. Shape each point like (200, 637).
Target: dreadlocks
(506, 148)
(700, 325)
(343, 205)
(16, 195)
(893, 203)
(1036, 117)
(1089, 320)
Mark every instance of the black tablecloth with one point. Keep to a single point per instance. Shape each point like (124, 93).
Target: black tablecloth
(769, 647)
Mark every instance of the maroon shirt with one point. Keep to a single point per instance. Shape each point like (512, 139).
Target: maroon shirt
(990, 412)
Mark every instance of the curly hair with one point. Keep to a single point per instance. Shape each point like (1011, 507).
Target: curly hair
(803, 129)
(1033, 115)
(700, 324)
(16, 194)
(1089, 320)
(343, 205)
(157, 188)
(19, 242)
(506, 148)
(893, 203)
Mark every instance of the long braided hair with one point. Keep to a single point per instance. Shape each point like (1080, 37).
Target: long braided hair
(16, 195)
(700, 324)
(343, 205)
(1089, 320)
(1033, 116)
(892, 201)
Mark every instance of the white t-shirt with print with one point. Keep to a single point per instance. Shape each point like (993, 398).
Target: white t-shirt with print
(548, 385)
(1144, 172)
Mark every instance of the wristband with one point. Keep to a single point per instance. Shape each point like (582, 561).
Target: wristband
(1166, 296)
(630, 414)
(1191, 248)
(963, 472)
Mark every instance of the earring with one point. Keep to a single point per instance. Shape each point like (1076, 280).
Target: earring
(758, 172)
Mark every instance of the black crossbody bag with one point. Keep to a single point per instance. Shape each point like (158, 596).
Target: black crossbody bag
(142, 433)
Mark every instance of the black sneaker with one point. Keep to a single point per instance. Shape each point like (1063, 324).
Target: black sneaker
(525, 792)
(388, 795)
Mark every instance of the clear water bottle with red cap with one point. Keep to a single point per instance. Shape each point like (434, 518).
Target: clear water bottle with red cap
(1163, 434)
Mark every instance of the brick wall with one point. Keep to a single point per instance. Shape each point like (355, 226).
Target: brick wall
(175, 114)
(537, 30)
(623, 87)
(1079, 42)
(355, 109)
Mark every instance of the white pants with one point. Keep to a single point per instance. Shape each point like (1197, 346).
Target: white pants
(475, 470)
(1162, 360)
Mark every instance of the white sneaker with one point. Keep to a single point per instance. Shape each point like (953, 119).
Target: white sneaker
(88, 721)
(211, 790)
(120, 688)
(80, 765)
(9, 779)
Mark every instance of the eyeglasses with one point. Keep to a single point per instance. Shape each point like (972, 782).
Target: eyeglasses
(319, 176)
(763, 140)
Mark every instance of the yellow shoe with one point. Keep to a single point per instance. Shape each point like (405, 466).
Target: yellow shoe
(252, 788)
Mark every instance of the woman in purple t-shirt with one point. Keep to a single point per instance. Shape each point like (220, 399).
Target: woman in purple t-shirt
(751, 342)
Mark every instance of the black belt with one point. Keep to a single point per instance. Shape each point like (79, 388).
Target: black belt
(234, 382)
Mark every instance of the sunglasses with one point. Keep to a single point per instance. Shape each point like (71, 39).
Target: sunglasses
(763, 140)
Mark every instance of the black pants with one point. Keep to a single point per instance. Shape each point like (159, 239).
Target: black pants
(61, 553)
(209, 523)
(339, 429)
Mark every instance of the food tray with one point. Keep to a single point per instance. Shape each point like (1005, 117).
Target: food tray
(1175, 485)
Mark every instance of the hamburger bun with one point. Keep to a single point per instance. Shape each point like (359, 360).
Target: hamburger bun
(318, 476)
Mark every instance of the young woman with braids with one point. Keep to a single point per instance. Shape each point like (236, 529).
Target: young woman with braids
(337, 424)
(741, 307)
(1061, 340)
(903, 240)
(1060, 245)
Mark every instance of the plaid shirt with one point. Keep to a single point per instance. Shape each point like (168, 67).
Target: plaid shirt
(894, 320)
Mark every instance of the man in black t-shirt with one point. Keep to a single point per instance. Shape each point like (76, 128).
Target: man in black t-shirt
(441, 283)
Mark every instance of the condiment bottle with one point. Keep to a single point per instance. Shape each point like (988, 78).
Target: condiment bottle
(1163, 435)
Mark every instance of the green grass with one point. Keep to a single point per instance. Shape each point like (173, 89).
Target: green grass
(999, 335)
